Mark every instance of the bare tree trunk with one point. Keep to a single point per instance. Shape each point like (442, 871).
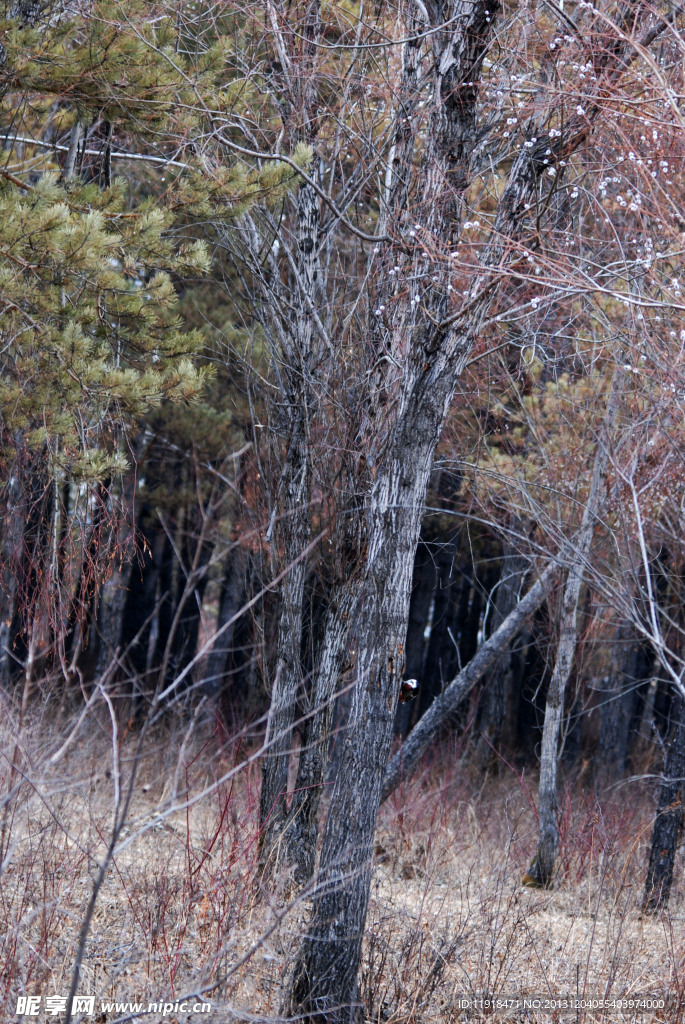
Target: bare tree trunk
(13, 527)
(324, 981)
(668, 823)
(420, 349)
(497, 691)
(423, 589)
(29, 566)
(630, 668)
(441, 655)
(141, 598)
(290, 522)
(112, 600)
(233, 597)
(540, 871)
(300, 828)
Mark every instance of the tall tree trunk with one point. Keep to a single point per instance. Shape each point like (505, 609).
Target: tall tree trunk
(300, 826)
(631, 664)
(232, 598)
(291, 531)
(292, 535)
(423, 588)
(112, 600)
(290, 517)
(28, 566)
(441, 653)
(13, 526)
(496, 697)
(324, 982)
(141, 598)
(668, 823)
(540, 871)
(420, 349)
(191, 584)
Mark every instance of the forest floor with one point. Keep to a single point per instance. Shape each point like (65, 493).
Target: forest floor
(180, 914)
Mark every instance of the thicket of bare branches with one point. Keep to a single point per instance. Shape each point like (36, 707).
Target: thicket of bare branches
(343, 345)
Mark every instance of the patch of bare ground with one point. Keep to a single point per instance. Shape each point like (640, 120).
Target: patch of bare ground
(180, 914)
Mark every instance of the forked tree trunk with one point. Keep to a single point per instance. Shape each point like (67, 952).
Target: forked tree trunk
(420, 349)
(324, 980)
(668, 823)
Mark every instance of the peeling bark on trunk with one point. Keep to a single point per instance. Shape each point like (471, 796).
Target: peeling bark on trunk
(668, 823)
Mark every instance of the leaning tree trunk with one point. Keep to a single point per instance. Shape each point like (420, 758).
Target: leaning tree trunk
(408, 757)
(542, 866)
(668, 823)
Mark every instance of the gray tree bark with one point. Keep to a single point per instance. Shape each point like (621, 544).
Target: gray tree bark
(423, 589)
(421, 348)
(113, 594)
(289, 529)
(542, 866)
(323, 985)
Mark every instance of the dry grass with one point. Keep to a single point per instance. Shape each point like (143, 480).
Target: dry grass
(179, 911)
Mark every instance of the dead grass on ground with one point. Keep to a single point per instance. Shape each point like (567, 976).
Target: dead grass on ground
(179, 912)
